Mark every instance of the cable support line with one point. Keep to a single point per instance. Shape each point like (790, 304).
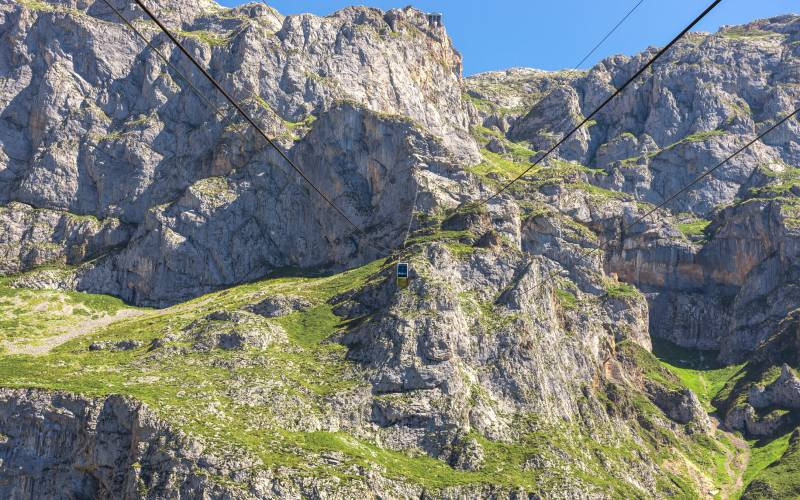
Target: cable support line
(708, 172)
(603, 104)
(164, 58)
(669, 199)
(609, 34)
(259, 129)
(411, 217)
(174, 68)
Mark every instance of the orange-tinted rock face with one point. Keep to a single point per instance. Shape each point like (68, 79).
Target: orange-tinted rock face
(726, 293)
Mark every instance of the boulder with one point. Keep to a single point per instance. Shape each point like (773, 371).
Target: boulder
(279, 305)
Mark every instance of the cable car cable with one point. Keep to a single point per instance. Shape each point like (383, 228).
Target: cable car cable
(411, 218)
(685, 188)
(609, 34)
(604, 103)
(164, 58)
(259, 129)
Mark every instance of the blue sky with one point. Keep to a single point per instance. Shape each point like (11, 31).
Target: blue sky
(552, 35)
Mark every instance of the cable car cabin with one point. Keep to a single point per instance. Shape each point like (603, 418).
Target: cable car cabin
(435, 19)
(402, 274)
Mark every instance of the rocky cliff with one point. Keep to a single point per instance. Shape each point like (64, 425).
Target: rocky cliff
(702, 102)
(94, 124)
(286, 361)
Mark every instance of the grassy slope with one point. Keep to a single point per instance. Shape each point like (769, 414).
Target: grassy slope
(27, 316)
(197, 392)
(763, 455)
(697, 369)
(777, 470)
(694, 228)
(769, 470)
(182, 389)
(193, 391)
(700, 454)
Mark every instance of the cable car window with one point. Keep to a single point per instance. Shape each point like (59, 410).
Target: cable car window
(402, 270)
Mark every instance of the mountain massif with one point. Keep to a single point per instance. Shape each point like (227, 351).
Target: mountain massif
(183, 316)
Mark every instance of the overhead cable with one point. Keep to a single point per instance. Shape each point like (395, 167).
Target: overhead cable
(604, 103)
(260, 131)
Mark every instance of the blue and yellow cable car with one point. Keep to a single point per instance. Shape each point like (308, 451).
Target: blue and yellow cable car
(402, 274)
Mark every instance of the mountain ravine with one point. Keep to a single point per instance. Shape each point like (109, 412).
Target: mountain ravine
(182, 316)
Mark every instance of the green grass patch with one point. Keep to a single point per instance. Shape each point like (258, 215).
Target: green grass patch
(566, 299)
(603, 192)
(784, 183)
(484, 312)
(207, 37)
(697, 369)
(694, 228)
(766, 463)
(746, 33)
(519, 152)
(701, 136)
(37, 5)
(443, 236)
(704, 135)
(305, 123)
(309, 328)
(494, 163)
(110, 137)
(649, 365)
(29, 316)
(622, 291)
(483, 105)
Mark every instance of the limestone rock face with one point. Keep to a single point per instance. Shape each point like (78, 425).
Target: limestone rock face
(31, 237)
(102, 128)
(727, 293)
(60, 445)
(702, 97)
(783, 393)
(531, 315)
(551, 119)
(63, 445)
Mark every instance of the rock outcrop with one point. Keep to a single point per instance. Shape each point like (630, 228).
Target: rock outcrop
(31, 237)
(783, 392)
(61, 445)
(122, 137)
(279, 305)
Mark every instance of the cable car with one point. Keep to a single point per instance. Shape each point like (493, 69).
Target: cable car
(435, 19)
(402, 274)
